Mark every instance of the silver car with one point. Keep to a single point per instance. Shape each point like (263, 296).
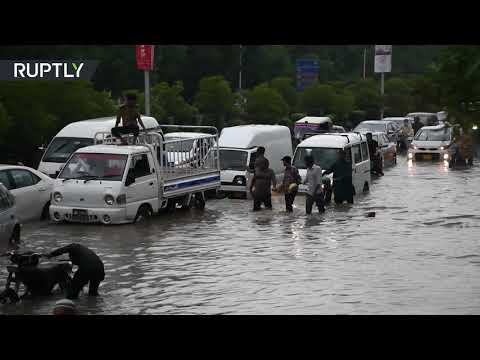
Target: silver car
(9, 224)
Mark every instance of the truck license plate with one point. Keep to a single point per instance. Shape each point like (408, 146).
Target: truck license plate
(80, 215)
(427, 157)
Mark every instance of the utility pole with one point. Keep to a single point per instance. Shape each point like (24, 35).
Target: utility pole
(364, 63)
(240, 71)
(382, 93)
(147, 92)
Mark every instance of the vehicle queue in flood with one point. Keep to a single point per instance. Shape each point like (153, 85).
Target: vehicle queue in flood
(97, 179)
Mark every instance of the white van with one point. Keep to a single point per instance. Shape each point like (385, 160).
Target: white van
(238, 151)
(77, 135)
(324, 150)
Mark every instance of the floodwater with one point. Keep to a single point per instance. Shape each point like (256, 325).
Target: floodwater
(419, 255)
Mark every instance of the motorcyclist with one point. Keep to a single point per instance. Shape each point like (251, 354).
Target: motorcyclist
(462, 147)
(376, 166)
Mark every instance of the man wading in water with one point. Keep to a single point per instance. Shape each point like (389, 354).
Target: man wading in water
(130, 117)
(342, 179)
(260, 186)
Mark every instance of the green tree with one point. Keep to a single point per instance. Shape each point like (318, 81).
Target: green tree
(5, 121)
(285, 87)
(343, 105)
(398, 97)
(215, 100)
(169, 103)
(265, 105)
(317, 100)
(367, 97)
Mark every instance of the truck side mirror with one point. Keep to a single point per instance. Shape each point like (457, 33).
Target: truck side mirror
(130, 177)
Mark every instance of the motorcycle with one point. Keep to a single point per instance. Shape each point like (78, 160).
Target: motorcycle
(458, 160)
(38, 279)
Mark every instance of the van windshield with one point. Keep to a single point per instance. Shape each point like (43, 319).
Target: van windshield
(323, 157)
(62, 147)
(233, 160)
(95, 167)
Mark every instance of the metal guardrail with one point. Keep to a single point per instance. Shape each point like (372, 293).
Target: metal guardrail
(180, 157)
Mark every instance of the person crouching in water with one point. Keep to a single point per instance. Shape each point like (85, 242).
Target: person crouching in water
(90, 269)
(260, 186)
(314, 182)
(291, 180)
(342, 179)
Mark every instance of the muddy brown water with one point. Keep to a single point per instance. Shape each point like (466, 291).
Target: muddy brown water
(420, 254)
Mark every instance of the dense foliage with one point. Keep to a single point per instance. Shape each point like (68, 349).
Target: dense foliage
(199, 85)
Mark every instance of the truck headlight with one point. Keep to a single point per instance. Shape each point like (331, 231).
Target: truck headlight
(410, 155)
(57, 197)
(445, 156)
(109, 199)
(239, 180)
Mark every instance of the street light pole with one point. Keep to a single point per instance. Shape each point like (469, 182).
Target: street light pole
(240, 71)
(382, 93)
(364, 62)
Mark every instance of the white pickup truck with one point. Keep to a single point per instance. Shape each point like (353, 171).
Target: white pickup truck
(114, 184)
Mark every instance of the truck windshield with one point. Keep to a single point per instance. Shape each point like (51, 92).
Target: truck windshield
(370, 127)
(301, 129)
(61, 148)
(323, 157)
(233, 160)
(95, 167)
(434, 135)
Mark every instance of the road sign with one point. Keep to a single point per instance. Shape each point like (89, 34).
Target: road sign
(383, 58)
(307, 72)
(144, 54)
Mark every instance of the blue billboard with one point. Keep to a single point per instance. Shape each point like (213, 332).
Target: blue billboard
(307, 72)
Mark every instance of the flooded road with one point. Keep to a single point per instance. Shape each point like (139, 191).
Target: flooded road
(419, 255)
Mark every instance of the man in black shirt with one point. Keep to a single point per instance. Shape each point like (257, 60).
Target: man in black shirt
(90, 269)
(375, 158)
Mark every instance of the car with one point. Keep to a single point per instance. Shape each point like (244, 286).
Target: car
(427, 119)
(9, 223)
(431, 143)
(31, 189)
(388, 148)
(387, 127)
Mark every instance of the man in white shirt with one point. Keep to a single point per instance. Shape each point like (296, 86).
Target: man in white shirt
(314, 182)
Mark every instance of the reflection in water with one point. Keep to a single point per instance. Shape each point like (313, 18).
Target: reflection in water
(227, 259)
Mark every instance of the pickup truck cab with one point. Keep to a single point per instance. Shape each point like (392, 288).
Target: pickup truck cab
(114, 184)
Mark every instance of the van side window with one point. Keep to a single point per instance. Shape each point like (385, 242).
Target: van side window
(5, 180)
(6, 201)
(348, 154)
(357, 156)
(365, 156)
(140, 165)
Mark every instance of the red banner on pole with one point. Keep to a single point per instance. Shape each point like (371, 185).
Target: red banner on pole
(144, 57)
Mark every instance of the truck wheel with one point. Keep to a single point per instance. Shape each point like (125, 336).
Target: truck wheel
(15, 238)
(199, 202)
(366, 188)
(46, 212)
(143, 213)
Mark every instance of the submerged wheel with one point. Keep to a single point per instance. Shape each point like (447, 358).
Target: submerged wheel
(15, 238)
(366, 187)
(143, 213)
(199, 202)
(46, 212)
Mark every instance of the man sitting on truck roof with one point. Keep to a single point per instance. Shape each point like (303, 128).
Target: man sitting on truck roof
(130, 119)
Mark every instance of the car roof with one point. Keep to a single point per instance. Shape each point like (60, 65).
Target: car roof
(421, 113)
(436, 127)
(248, 136)
(372, 122)
(7, 166)
(187, 135)
(314, 120)
(88, 128)
(113, 149)
(398, 118)
(333, 140)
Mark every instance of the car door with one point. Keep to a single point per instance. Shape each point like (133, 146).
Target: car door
(28, 195)
(145, 187)
(7, 218)
(357, 168)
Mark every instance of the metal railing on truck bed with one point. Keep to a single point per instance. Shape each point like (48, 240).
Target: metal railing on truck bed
(182, 157)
